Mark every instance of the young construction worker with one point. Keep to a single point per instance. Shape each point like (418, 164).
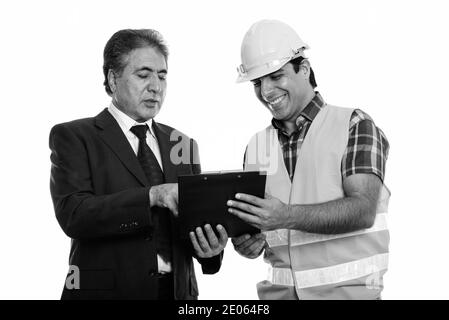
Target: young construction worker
(323, 219)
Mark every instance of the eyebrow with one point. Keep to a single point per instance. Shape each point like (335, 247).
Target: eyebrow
(164, 71)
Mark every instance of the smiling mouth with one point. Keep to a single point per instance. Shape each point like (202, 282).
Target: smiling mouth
(276, 102)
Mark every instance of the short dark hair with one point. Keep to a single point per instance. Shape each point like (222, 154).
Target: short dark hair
(296, 63)
(122, 43)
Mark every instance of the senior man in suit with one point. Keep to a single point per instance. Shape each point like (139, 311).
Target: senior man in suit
(113, 185)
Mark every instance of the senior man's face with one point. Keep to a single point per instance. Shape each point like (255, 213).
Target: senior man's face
(140, 89)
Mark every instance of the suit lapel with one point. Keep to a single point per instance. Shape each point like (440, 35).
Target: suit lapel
(165, 146)
(113, 136)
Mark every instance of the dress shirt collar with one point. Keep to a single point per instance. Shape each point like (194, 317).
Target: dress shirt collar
(126, 122)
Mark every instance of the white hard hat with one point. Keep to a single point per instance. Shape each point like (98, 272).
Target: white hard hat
(268, 46)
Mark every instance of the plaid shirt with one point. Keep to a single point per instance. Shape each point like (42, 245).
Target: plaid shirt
(367, 148)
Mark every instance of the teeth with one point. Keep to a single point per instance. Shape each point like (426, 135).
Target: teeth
(277, 100)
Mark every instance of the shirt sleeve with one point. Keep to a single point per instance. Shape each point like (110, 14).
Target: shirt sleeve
(367, 149)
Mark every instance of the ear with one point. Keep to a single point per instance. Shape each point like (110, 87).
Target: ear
(112, 80)
(305, 68)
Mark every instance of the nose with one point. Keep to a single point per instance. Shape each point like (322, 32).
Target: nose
(266, 87)
(154, 85)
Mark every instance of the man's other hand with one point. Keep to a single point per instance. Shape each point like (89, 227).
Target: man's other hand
(207, 246)
(165, 196)
(249, 246)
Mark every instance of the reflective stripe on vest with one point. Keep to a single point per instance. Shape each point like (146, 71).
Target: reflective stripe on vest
(329, 275)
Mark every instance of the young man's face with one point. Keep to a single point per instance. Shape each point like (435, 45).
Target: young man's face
(283, 92)
(140, 89)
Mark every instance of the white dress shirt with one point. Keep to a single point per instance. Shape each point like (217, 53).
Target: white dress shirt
(126, 123)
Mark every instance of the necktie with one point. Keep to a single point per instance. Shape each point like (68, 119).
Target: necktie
(155, 176)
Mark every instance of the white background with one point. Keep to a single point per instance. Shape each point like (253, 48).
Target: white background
(389, 58)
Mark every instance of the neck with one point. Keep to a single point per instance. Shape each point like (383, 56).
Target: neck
(131, 115)
(290, 124)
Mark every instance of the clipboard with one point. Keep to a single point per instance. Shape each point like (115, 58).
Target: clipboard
(203, 198)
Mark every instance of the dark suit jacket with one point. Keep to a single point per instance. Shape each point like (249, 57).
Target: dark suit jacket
(101, 201)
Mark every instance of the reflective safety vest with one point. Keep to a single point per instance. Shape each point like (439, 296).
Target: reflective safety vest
(318, 266)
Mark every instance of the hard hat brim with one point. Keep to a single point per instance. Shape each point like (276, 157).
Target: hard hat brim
(267, 68)
(262, 70)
